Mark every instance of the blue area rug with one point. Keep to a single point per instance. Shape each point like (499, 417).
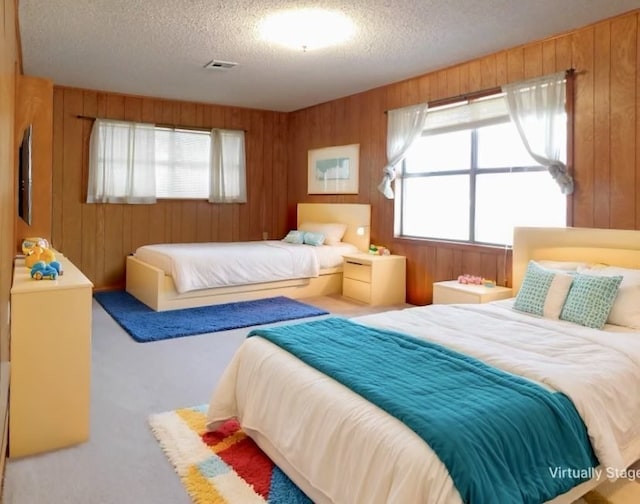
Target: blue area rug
(144, 324)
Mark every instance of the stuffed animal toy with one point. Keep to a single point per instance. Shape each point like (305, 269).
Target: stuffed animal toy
(38, 253)
(29, 243)
(42, 270)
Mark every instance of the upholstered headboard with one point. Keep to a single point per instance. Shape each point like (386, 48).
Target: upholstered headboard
(355, 216)
(616, 247)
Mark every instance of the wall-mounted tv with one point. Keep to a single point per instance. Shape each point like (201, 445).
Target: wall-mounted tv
(24, 176)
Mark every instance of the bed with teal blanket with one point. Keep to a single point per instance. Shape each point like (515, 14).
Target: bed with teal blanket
(440, 404)
(497, 434)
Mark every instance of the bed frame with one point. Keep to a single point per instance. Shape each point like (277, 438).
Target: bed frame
(157, 290)
(615, 247)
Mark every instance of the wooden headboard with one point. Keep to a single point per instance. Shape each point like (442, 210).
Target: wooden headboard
(354, 215)
(615, 247)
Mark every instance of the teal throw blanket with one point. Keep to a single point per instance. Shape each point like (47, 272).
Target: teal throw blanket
(502, 438)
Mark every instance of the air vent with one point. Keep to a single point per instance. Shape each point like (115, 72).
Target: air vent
(220, 65)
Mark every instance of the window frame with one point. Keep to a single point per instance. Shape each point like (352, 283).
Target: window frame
(570, 74)
(102, 170)
(167, 165)
(472, 172)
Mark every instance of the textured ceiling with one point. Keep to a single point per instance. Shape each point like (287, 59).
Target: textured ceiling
(158, 47)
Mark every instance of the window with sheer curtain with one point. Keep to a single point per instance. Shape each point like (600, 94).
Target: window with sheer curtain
(138, 163)
(470, 178)
(182, 163)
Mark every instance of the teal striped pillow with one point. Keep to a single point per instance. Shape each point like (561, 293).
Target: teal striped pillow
(590, 300)
(294, 236)
(543, 291)
(315, 239)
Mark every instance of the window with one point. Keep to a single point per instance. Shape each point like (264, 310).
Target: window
(182, 163)
(137, 163)
(469, 178)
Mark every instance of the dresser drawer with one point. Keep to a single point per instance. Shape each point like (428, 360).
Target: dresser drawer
(356, 270)
(356, 289)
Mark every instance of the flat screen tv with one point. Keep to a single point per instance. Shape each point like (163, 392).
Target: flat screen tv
(24, 176)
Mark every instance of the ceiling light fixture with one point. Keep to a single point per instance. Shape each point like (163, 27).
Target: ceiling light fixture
(307, 29)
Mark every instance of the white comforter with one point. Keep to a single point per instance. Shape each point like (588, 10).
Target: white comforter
(196, 266)
(343, 449)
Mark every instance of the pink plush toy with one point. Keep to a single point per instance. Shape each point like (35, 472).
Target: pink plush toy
(470, 279)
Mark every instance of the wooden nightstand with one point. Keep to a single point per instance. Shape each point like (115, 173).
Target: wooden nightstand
(374, 279)
(453, 292)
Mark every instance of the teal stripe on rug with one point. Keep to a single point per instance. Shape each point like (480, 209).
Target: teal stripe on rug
(144, 324)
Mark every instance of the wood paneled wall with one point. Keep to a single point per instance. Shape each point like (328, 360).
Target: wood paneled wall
(98, 237)
(9, 63)
(606, 154)
(606, 158)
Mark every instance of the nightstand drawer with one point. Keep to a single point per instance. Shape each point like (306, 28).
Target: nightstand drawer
(356, 289)
(450, 296)
(453, 292)
(356, 270)
(374, 279)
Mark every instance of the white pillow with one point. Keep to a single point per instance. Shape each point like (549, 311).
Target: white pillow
(626, 306)
(562, 265)
(333, 231)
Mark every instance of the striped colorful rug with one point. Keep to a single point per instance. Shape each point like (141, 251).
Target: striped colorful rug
(221, 467)
(227, 467)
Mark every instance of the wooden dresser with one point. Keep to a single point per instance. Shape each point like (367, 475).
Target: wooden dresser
(50, 360)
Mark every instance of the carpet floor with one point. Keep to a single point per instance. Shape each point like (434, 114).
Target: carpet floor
(625, 490)
(144, 324)
(220, 467)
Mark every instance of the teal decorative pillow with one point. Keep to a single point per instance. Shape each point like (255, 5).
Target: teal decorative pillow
(590, 300)
(294, 237)
(543, 291)
(626, 308)
(315, 239)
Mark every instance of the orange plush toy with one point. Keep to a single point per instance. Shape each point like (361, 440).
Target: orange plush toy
(38, 253)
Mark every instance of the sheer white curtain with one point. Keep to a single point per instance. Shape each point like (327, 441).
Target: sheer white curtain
(404, 125)
(228, 169)
(537, 108)
(121, 163)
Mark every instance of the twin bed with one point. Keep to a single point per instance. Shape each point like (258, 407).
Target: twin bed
(173, 276)
(339, 447)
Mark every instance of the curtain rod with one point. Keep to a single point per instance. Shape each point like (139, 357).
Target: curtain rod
(477, 94)
(173, 126)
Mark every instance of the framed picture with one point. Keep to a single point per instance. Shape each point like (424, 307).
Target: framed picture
(333, 170)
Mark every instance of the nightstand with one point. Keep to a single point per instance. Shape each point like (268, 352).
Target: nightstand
(374, 279)
(453, 292)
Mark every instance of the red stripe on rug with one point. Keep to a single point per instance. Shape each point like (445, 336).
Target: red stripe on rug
(227, 429)
(251, 464)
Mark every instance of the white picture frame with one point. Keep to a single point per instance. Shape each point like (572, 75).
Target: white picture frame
(333, 170)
